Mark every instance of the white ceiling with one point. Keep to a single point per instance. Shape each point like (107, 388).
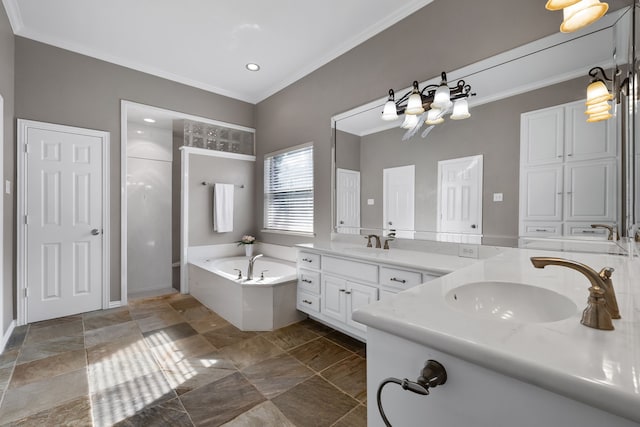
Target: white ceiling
(207, 43)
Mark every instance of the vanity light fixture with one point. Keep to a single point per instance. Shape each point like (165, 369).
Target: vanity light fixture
(578, 14)
(598, 95)
(435, 100)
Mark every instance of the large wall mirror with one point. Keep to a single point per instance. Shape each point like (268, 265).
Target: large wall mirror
(384, 184)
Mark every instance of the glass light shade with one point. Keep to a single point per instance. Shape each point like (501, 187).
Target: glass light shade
(560, 4)
(389, 112)
(599, 117)
(414, 104)
(597, 92)
(434, 117)
(410, 121)
(581, 14)
(460, 110)
(600, 107)
(441, 99)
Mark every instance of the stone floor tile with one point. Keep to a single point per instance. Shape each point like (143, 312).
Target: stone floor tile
(42, 349)
(169, 334)
(100, 319)
(350, 376)
(194, 372)
(119, 368)
(319, 354)
(170, 414)
(314, 402)
(277, 375)
(208, 323)
(185, 303)
(112, 333)
(347, 342)
(251, 351)
(71, 328)
(48, 367)
(264, 414)
(356, 418)
(227, 335)
(219, 402)
(173, 352)
(159, 319)
(8, 358)
(290, 336)
(317, 327)
(17, 338)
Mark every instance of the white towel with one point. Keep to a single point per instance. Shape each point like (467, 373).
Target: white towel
(222, 208)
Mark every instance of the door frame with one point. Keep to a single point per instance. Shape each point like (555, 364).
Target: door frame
(21, 196)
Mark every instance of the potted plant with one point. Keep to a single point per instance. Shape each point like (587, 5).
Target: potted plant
(247, 241)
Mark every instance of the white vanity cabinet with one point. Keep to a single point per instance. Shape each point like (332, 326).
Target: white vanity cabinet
(332, 287)
(567, 171)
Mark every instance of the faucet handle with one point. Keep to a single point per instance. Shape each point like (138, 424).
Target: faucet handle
(262, 274)
(596, 314)
(239, 273)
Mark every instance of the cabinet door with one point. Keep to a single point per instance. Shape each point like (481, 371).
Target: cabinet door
(586, 141)
(333, 297)
(590, 189)
(359, 295)
(541, 194)
(542, 137)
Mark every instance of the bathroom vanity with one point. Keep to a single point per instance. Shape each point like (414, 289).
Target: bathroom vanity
(335, 280)
(517, 358)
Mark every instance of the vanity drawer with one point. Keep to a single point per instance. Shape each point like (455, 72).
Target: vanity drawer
(309, 260)
(360, 271)
(308, 302)
(399, 279)
(538, 229)
(584, 230)
(309, 281)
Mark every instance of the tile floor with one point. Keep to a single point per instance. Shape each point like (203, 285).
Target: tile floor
(169, 361)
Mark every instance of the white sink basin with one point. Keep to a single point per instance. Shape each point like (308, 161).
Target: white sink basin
(511, 301)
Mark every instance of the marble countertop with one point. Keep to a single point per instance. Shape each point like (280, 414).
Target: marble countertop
(425, 261)
(599, 368)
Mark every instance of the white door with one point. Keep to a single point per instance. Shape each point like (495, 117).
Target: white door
(64, 220)
(359, 296)
(348, 201)
(460, 196)
(398, 195)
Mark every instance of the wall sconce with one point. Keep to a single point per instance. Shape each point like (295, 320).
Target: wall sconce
(434, 100)
(598, 95)
(578, 13)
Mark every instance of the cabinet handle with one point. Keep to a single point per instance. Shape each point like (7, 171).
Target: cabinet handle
(559, 193)
(343, 290)
(348, 292)
(560, 156)
(541, 229)
(307, 260)
(570, 154)
(306, 301)
(393, 279)
(307, 281)
(589, 231)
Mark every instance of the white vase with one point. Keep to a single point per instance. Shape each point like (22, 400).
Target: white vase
(248, 250)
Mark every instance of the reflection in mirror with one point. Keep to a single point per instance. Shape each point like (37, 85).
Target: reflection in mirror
(462, 181)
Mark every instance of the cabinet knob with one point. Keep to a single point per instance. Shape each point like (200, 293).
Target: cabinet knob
(348, 292)
(343, 290)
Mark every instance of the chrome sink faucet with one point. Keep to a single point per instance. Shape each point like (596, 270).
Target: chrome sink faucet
(250, 269)
(602, 305)
(613, 231)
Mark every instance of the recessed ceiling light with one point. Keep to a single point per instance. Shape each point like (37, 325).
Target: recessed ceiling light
(148, 120)
(252, 66)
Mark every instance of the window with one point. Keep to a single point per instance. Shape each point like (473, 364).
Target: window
(288, 190)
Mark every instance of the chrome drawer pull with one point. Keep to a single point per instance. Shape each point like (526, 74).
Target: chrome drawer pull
(393, 279)
(307, 281)
(541, 229)
(306, 301)
(307, 260)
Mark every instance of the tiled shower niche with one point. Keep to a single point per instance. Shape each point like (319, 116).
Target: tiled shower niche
(218, 138)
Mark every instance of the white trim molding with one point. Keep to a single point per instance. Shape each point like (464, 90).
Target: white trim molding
(7, 335)
(14, 15)
(21, 193)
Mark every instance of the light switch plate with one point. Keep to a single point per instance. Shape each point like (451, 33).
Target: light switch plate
(468, 251)
(497, 197)
(370, 202)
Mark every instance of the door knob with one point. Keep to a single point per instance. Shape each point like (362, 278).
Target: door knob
(341, 222)
(95, 232)
(390, 223)
(473, 226)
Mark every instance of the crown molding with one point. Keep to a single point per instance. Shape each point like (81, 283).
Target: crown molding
(13, 13)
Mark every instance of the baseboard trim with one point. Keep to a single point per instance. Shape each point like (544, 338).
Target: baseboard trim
(115, 304)
(7, 335)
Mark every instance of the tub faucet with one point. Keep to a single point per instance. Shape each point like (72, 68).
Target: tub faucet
(250, 269)
(602, 304)
(613, 230)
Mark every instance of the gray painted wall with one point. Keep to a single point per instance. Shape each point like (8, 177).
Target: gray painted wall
(347, 151)
(224, 171)
(58, 86)
(7, 43)
(417, 48)
(493, 130)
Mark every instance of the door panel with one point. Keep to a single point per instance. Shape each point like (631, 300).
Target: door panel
(348, 201)
(460, 195)
(64, 223)
(541, 194)
(359, 296)
(542, 135)
(590, 191)
(585, 141)
(399, 201)
(333, 297)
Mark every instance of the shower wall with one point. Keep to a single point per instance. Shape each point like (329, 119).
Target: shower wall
(149, 189)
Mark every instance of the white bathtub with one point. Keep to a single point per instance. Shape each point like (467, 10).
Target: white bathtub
(261, 304)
